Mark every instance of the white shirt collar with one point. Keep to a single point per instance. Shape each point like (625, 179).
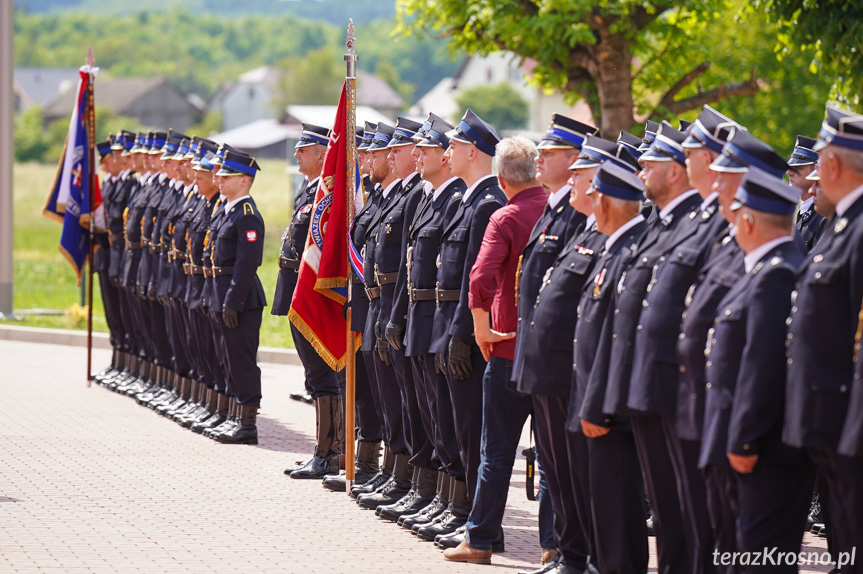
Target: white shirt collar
(846, 202)
(554, 198)
(663, 213)
(388, 190)
(162, 176)
(612, 239)
(751, 259)
(591, 220)
(471, 189)
(709, 200)
(442, 187)
(125, 173)
(805, 205)
(231, 204)
(409, 179)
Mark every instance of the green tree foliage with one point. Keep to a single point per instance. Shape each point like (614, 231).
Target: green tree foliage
(315, 78)
(28, 136)
(790, 99)
(200, 51)
(829, 34)
(501, 106)
(605, 51)
(210, 124)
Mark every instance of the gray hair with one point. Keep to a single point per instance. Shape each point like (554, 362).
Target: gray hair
(516, 160)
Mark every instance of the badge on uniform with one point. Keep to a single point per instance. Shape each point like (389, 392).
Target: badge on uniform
(251, 236)
(597, 282)
(840, 226)
(388, 229)
(307, 208)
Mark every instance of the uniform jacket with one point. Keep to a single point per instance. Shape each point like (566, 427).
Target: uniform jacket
(182, 220)
(196, 232)
(810, 225)
(746, 364)
(593, 338)
(824, 319)
(543, 360)
(208, 296)
(718, 275)
(423, 241)
(460, 243)
(114, 210)
(239, 244)
(293, 244)
(390, 247)
(360, 231)
(655, 355)
(631, 289)
(102, 253)
(132, 220)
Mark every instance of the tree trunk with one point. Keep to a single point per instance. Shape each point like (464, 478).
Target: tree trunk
(613, 56)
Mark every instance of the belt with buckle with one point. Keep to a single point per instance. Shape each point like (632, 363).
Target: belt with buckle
(285, 263)
(115, 236)
(373, 292)
(422, 295)
(197, 269)
(187, 268)
(134, 245)
(446, 295)
(219, 271)
(177, 255)
(356, 279)
(386, 278)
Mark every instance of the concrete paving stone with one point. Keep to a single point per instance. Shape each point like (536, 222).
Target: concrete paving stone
(100, 484)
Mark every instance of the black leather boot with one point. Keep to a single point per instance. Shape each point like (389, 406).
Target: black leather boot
(456, 515)
(430, 511)
(329, 435)
(200, 407)
(398, 486)
(110, 370)
(407, 498)
(229, 422)
(365, 467)
(218, 417)
(245, 431)
(425, 480)
(379, 479)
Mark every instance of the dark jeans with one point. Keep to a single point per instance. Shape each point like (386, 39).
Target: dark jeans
(504, 413)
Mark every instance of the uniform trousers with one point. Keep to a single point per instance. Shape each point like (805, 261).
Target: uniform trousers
(175, 311)
(419, 443)
(564, 477)
(673, 545)
(617, 503)
(504, 412)
(321, 379)
(773, 501)
(158, 331)
(723, 507)
(130, 342)
(425, 416)
(839, 473)
(111, 302)
(390, 401)
(547, 537)
(240, 349)
(441, 411)
(466, 398)
(220, 371)
(369, 427)
(684, 459)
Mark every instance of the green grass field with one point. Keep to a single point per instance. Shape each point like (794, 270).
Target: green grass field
(45, 280)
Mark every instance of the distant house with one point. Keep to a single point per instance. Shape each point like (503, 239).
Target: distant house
(152, 101)
(38, 86)
(249, 99)
(326, 115)
(253, 95)
(264, 138)
(492, 70)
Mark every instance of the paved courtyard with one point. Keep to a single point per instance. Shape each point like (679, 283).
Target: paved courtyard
(91, 482)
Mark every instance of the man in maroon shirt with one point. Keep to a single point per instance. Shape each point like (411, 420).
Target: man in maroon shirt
(495, 315)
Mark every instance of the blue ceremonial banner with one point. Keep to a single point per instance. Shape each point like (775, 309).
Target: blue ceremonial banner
(75, 194)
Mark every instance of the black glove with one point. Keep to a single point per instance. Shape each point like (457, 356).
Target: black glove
(395, 335)
(383, 349)
(459, 358)
(440, 363)
(230, 317)
(345, 308)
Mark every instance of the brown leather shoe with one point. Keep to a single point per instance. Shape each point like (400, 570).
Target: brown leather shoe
(464, 553)
(548, 555)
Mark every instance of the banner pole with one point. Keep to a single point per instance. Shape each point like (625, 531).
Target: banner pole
(91, 134)
(350, 363)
